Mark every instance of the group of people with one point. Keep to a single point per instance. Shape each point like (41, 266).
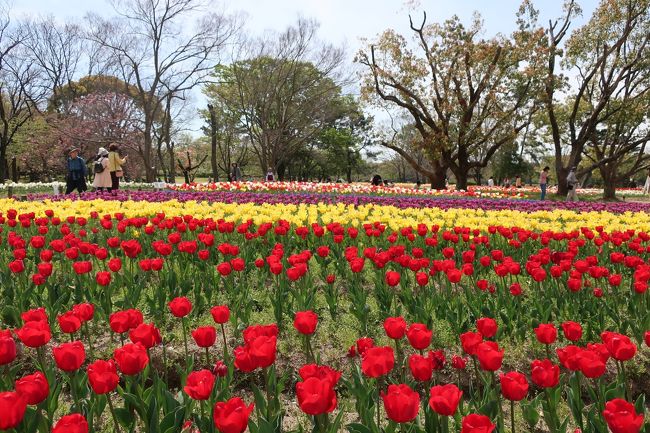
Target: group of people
(506, 182)
(107, 169)
(571, 183)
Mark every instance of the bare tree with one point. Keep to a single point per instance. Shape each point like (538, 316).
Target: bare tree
(151, 49)
(56, 49)
(20, 80)
(608, 52)
(285, 90)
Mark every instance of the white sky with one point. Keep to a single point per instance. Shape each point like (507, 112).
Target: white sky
(342, 21)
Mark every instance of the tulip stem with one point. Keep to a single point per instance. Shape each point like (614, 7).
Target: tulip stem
(225, 346)
(512, 416)
(207, 356)
(86, 329)
(378, 404)
(110, 406)
(184, 338)
(624, 379)
(498, 397)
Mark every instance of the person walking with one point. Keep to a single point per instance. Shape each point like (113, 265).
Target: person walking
(572, 185)
(490, 182)
(543, 182)
(77, 171)
(646, 186)
(270, 177)
(517, 181)
(235, 173)
(115, 163)
(102, 180)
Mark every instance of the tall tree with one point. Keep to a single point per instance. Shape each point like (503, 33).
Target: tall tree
(609, 53)
(285, 93)
(20, 85)
(467, 96)
(151, 46)
(56, 49)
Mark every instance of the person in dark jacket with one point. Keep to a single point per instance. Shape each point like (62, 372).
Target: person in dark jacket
(77, 172)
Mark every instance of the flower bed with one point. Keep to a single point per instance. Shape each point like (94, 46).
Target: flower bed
(144, 316)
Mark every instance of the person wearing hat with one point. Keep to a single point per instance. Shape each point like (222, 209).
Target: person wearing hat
(77, 171)
(102, 180)
(572, 185)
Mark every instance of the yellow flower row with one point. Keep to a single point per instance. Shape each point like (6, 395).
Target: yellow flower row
(304, 214)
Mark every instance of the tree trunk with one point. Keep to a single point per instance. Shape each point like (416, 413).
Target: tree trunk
(172, 166)
(608, 173)
(281, 170)
(561, 172)
(461, 181)
(439, 175)
(213, 143)
(150, 174)
(14, 170)
(3, 163)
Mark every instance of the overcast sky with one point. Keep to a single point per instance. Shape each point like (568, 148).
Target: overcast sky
(342, 21)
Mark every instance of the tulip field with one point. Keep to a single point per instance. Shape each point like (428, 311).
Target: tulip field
(317, 311)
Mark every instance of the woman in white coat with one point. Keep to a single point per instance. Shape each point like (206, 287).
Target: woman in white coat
(102, 179)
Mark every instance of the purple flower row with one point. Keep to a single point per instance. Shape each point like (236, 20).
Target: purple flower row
(357, 200)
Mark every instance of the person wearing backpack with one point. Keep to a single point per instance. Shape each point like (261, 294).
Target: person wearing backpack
(102, 180)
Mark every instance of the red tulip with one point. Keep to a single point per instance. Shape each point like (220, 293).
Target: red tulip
(364, 344)
(146, 334)
(180, 307)
(401, 403)
(131, 358)
(84, 311)
(392, 278)
(568, 357)
(243, 359)
(102, 376)
(73, 423)
(34, 315)
(619, 346)
(34, 334)
(487, 327)
(421, 367)
(514, 385)
(489, 356)
(220, 369)
(419, 336)
(252, 332)
(263, 350)
(395, 327)
(69, 356)
(316, 396)
(122, 321)
(444, 399)
(590, 364)
(572, 330)
(69, 322)
(544, 373)
(458, 362)
(220, 314)
(621, 417)
(470, 341)
(474, 423)
(199, 384)
(13, 406)
(7, 348)
(546, 333)
(647, 338)
(34, 387)
(321, 372)
(377, 361)
(305, 322)
(232, 416)
(205, 336)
